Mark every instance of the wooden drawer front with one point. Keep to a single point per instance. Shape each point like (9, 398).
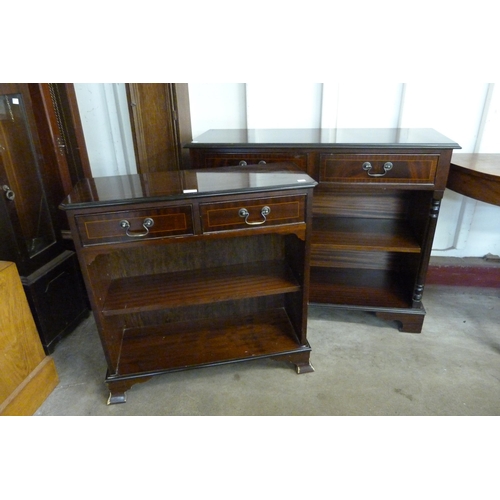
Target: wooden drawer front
(108, 228)
(231, 159)
(227, 216)
(420, 169)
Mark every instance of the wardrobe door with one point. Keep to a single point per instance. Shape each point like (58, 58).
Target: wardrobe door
(160, 121)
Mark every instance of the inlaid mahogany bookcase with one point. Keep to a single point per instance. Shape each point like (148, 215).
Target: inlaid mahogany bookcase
(194, 268)
(375, 208)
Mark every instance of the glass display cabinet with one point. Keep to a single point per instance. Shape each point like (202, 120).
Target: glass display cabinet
(24, 198)
(30, 236)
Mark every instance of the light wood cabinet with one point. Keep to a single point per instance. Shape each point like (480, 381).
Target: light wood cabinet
(27, 375)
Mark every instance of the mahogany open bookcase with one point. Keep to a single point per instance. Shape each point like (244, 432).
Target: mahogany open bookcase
(190, 269)
(375, 208)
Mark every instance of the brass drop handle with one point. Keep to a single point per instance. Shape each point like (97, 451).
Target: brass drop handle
(367, 166)
(9, 194)
(146, 224)
(243, 163)
(245, 213)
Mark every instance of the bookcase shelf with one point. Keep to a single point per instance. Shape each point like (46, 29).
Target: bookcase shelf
(204, 286)
(177, 346)
(349, 233)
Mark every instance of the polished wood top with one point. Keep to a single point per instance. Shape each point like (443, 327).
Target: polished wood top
(183, 184)
(476, 175)
(324, 138)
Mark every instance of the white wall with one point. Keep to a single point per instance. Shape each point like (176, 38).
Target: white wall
(468, 113)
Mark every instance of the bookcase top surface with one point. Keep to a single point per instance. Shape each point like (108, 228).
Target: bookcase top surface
(184, 184)
(323, 137)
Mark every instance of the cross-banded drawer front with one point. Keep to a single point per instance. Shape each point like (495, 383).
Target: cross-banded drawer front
(374, 168)
(133, 225)
(244, 159)
(252, 213)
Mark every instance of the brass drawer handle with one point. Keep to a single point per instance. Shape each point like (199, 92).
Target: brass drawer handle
(243, 163)
(146, 224)
(245, 213)
(367, 166)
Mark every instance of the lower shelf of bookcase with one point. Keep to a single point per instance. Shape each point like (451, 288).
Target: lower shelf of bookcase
(366, 288)
(177, 346)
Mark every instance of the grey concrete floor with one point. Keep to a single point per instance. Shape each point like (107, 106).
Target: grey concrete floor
(363, 366)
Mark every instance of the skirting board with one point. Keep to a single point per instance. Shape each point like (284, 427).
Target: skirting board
(467, 271)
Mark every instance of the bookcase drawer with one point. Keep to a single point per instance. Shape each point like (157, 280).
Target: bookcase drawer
(213, 160)
(374, 168)
(252, 213)
(133, 225)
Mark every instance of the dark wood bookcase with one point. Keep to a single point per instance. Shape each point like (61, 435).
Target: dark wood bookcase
(375, 208)
(195, 268)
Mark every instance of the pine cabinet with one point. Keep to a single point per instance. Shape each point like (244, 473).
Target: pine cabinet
(27, 375)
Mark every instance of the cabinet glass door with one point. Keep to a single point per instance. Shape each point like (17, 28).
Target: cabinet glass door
(20, 183)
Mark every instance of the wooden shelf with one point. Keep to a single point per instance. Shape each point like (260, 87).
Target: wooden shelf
(350, 287)
(177, 346)
(205, 286)
(345, 233)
